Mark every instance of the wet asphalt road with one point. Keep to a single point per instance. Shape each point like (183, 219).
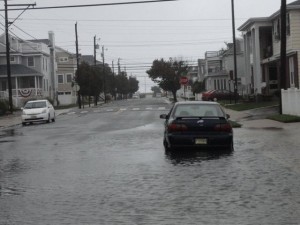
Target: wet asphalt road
(108, 166)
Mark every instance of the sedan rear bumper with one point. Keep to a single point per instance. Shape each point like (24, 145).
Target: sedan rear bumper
(200, 141)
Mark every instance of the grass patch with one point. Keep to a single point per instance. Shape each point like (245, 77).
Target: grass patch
(235, 124)
(250, 105)
(285, 118)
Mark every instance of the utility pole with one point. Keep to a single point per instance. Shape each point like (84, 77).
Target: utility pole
(8, 66)
(282, 79)
(119, 67)
(8, 60)
(95, 60)
(234, 54)
(104, 77)
(77, 59)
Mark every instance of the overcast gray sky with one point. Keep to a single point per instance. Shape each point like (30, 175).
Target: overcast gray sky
(138, 34)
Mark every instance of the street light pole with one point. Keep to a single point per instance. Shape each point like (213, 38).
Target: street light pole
(234, 53)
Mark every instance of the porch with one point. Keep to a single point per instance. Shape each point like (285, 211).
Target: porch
(26, 83)
(20, 96)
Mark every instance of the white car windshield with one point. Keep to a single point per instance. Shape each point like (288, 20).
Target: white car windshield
(35, 105)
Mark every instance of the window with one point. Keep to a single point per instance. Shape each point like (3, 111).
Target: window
(292, 72)
(60, 78)
(63, 59)
(276, 29)
(30, 61)
(12, 59)
(69, 78)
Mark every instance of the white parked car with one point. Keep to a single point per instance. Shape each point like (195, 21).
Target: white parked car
(38, 110)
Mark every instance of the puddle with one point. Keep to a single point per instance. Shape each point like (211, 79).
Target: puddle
(264, 128)
(10, 133)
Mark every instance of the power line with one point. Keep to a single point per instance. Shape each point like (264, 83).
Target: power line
(92, 5)
(136, 20)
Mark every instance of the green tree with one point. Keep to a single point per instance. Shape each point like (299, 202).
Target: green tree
(122, 83)
(198, 87)
(155, 89)
(167, 74)
(133, 84)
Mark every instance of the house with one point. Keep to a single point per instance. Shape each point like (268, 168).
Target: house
(216, 69)
(262, 51)
(65, 76)
(32, 69)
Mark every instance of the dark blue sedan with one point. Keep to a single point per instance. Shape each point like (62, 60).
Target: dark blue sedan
(198, 125)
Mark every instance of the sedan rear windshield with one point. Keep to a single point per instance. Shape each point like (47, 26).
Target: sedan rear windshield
(35, 105)
(193, 110)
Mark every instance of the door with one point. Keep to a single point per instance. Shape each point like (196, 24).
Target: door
(273, 78)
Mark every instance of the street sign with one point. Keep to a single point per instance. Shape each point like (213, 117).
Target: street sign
(184, 80)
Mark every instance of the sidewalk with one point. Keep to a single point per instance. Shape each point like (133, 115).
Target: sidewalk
(15, 119)
(245, 118)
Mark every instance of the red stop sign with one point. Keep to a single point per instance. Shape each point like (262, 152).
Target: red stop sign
(184, 80)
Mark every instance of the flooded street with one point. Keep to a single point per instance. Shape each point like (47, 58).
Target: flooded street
(110, 167)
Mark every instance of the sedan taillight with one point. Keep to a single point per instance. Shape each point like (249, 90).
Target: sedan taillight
(223, 127)
(173, 127)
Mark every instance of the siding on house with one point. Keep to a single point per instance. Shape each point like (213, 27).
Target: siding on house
(295, 34)
(293, 40)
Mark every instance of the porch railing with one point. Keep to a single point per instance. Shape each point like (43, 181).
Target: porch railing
(22, 95)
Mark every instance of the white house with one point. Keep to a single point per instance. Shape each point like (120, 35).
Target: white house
(262, 51)
(216, 69)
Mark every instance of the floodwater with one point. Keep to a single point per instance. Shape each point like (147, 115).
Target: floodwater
(51, 174)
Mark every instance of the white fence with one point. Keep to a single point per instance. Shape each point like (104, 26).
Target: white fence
(291, 101)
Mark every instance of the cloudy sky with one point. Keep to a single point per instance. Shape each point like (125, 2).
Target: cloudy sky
(139, 33)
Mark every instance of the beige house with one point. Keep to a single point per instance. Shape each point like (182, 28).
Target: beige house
(66, 68)
(262, 51)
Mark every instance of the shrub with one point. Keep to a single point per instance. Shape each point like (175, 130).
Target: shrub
(4, 106)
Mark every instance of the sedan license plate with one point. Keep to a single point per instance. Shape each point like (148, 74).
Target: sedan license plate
(201, 141)
(33, 117)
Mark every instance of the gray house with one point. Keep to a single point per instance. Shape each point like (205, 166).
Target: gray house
(31, 69)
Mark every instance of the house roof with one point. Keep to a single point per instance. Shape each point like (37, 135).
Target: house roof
(251, 21)
(18, 69)
(60, 49)
(295, 3)
(45, 41)
(230, 49)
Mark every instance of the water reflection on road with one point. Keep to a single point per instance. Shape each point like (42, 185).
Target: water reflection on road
(124, 176)
(194, 156)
